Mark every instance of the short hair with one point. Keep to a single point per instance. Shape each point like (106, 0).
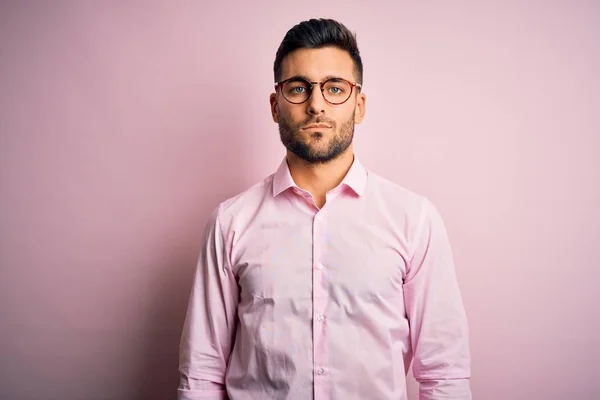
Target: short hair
(316, 34)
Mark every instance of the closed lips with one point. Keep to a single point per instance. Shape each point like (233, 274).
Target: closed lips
(312, 126)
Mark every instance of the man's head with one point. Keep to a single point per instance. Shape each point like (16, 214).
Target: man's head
(316, 121)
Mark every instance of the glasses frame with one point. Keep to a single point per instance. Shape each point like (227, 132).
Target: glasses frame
(321, 86)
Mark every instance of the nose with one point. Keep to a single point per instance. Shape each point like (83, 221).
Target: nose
(316, 102)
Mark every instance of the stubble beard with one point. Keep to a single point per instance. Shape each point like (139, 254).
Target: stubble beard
(306, 150)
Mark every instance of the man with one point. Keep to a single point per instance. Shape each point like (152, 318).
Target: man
(324, 280)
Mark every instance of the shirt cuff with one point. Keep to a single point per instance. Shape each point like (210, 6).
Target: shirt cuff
(451, 389)
(183, 394)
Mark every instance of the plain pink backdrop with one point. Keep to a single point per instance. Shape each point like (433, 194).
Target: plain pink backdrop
(123, 124)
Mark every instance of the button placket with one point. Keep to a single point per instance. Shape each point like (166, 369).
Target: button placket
(320, 341)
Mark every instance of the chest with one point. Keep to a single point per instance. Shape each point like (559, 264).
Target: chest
(353, 258)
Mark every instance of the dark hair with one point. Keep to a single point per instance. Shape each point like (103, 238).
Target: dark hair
(315, 34)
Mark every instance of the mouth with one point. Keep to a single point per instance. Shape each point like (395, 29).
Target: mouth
(316, 126)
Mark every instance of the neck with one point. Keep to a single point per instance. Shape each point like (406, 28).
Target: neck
(318, 179)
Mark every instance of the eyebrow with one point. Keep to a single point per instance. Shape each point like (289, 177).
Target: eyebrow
(306, 78)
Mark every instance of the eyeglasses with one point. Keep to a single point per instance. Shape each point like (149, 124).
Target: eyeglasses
(335, 91)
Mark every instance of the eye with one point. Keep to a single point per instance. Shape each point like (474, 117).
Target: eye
(337, 87)
(297, 89)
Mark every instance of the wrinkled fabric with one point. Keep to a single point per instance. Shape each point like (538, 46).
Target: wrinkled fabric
(290, 301)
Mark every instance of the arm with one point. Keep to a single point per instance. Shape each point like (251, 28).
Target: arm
(209, 328)
(438, 322)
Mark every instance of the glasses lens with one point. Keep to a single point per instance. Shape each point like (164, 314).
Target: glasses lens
(336, 91)
(296, 91)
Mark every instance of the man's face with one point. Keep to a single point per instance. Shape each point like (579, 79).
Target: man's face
(324, 143)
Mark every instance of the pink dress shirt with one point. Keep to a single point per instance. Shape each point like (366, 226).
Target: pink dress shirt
(290, 301)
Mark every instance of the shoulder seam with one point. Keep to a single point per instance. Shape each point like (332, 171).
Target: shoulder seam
(223, 237)
(422, 220)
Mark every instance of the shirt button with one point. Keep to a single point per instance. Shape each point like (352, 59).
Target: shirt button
(320, 371)
(319, 218)
(320, 317)
(319, 266)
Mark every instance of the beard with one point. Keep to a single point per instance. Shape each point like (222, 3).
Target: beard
(313, 150)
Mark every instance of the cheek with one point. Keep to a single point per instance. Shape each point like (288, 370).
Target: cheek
(345, 115)
(293, 116)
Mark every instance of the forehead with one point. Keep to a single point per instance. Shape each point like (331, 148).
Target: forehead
(317, 64)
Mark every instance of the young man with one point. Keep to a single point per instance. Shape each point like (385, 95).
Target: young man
(324, 280)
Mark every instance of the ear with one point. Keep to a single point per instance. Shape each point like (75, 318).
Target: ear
(274, 113)
(359, 111)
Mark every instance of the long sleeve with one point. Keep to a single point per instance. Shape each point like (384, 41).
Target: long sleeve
(210, 323)
(434, 306)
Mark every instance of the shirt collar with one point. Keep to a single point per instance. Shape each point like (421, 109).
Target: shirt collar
(355, 179)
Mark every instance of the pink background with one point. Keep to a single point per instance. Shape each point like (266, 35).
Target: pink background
(123, 124)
